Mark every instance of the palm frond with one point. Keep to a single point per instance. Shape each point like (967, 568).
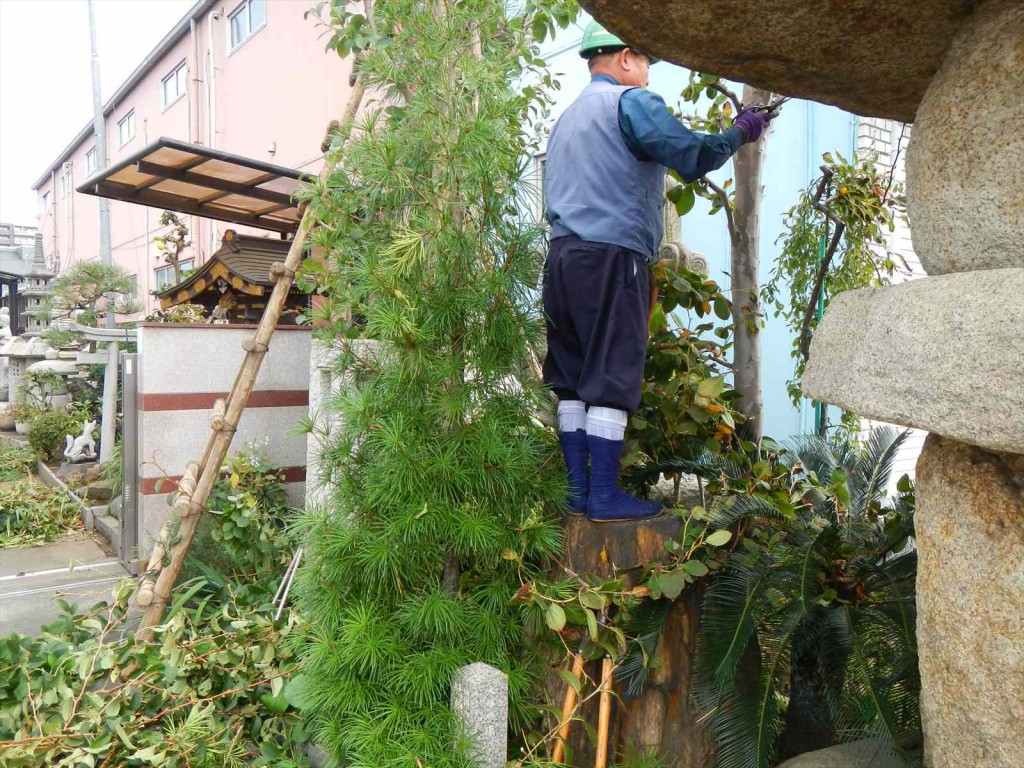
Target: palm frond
(870, 475)
(746, 723)
(729, 510)
(644, 625)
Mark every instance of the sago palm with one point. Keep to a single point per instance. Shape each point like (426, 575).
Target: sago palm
(818, 597)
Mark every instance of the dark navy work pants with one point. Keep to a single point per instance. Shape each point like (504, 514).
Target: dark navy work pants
(596, 298)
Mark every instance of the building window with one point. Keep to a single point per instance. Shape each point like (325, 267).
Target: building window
(65, 181)
(246, 19)
(126, 129)
(90, 161)
(46, 203)
(175, 85)
(165, 275)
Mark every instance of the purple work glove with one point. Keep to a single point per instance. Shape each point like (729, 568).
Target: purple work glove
(753, 124)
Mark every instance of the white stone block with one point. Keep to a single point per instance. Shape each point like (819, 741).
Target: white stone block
(480, 700)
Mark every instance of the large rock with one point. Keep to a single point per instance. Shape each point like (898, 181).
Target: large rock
(965, 164)
(869, 753)
(970, 602)
(870, 57)
(944, 354)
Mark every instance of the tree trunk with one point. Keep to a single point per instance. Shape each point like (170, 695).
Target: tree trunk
(746, 260)
(659, 718)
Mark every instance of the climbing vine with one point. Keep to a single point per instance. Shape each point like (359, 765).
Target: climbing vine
(835, 240)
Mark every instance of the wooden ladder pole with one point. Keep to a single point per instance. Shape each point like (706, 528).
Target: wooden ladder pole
(568, 707)
(604, 713)
(225, 420)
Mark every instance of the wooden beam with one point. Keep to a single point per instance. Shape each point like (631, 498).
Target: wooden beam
(212, 182)
(168, 200)
(258, 180)
(198, 160)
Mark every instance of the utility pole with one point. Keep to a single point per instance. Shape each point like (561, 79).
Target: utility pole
(109, 416)
(100, 132)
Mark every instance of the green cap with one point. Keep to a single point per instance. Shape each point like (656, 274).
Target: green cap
(598, 40)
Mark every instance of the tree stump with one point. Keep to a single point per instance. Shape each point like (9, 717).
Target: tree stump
(659, 718)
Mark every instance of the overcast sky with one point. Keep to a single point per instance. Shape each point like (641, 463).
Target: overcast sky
(45, 80)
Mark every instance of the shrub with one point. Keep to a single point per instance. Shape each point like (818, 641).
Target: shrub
(49, 429)
(248, 504)
(179, 313)
(686, 407)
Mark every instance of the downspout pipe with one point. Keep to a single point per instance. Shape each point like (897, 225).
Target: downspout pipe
(193, 118)
(211, 97)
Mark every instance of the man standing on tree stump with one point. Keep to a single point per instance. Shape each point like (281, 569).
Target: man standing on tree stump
(604, 179)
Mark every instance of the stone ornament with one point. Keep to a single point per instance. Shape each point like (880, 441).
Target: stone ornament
(83, 447)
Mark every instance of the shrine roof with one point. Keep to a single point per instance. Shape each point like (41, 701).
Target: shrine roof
(242, 261)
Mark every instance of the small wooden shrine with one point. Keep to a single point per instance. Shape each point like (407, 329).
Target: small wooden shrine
(234, 283)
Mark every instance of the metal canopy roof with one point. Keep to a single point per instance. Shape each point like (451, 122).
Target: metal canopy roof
(192, 179)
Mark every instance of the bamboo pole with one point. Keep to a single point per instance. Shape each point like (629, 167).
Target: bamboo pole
(568, 707)
(604, 713)
(220, 439)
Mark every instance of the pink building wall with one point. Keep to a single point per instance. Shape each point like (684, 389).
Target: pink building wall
(269, 99)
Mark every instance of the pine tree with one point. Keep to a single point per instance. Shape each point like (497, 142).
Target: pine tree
(446, 490)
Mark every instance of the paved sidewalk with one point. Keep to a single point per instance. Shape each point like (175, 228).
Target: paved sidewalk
(78, 570)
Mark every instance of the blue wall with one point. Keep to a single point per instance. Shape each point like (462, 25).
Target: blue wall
(803, 131)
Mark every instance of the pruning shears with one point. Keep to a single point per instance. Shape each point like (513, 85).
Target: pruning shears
(770, 108)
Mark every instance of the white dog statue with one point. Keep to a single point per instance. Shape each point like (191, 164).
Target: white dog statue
(82, 447)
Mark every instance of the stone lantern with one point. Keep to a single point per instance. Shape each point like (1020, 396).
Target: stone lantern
(945, 353)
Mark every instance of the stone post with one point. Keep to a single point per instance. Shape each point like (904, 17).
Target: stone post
(946, 354)
(108, 423)
(480, 701)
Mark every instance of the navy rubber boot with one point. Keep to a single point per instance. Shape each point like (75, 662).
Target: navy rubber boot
(606, 502)
(575, 451)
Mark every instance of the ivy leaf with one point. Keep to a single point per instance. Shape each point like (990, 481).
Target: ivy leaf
(571, 680)
(554, 617)
(712, 387)
(672, 583)
(593, 600)
(695, 568)
(719, 538)
(592, 625)
(686, 199)
(722, 309)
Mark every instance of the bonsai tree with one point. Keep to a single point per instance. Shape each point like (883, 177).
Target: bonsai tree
(173, 243)
(87, 293)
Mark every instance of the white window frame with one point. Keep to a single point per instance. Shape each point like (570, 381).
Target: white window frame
(91, 159)
(47, 202)
(179, 75)
(163, 276)
(133, 294)
(246, 7)
(66, 182)
(128, 120)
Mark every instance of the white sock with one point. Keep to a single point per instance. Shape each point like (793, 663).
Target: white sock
(572, 415)
(609, 423)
